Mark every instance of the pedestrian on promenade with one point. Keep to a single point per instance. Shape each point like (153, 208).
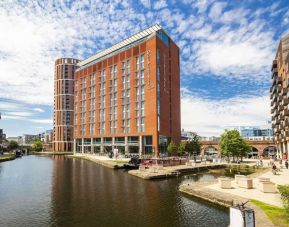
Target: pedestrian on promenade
(274, 169)
(286, 164)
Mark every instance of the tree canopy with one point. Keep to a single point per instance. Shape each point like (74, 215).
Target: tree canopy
(172, 148)
(182, 148)
(37, 145)
(233, 144)
(194, 146)
(13, 145)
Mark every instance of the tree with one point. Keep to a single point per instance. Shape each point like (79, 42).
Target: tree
(232, 144)
(194, 146)
(13, 145)
(172, 148)
(37, 145)
(182, 148)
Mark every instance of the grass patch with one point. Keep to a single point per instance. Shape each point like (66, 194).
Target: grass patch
(120, 161)
(277, 215)
(7, 157)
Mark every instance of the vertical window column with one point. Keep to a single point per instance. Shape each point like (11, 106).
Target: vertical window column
(83, 106)
(92, 105)
(140, 95)
(126, 96)
(102, 102)
(113, 99)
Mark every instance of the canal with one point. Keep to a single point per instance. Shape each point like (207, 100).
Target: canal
(59, 191)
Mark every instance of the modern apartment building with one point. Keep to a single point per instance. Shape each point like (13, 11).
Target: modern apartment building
(279, 98)
(63, 104)
(255, 132)
(127, 97)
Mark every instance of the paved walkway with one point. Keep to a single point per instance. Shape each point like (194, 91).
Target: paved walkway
(281, 178)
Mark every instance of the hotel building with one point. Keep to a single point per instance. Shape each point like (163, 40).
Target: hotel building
(279, 98)
(63, 104)
(127, 97)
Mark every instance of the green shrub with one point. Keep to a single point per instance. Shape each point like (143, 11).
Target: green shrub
(284, 191)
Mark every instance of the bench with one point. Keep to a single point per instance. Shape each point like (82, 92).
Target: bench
(267, 187)
(264, 179)
(245, 182)
(237, 177)
(225, 183)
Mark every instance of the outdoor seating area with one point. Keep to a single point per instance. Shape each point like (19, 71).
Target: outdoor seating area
(225, 182)
(262, 184)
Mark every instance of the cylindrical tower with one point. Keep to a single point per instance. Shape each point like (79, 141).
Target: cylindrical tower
(63, 104)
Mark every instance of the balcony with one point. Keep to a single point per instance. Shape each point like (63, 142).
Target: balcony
(287, 83)
(274, 71)
(284, 101)
(280, 108)
(272, 111)
(274, 97)
(279, 80)
(285, 112)
(284, 91)
(279, 99)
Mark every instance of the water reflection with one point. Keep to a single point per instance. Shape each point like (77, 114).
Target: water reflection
(96, 195)
(58, 191)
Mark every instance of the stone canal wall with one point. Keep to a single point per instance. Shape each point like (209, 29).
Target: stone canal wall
(199, 190)
(158, 172)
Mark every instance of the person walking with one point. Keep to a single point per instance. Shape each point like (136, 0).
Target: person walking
(274, 169)
(286, 164)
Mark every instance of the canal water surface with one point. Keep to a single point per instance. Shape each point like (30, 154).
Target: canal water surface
(59, 191)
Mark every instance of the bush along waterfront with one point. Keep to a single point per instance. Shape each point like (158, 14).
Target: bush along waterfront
(284, 191)
(7, 157)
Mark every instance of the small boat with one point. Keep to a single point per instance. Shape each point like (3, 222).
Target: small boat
(18, 154)
(132, 164)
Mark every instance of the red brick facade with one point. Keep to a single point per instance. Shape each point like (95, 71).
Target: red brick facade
(63, 104)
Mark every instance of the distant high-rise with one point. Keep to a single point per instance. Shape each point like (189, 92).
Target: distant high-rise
(63, 104)
(127, 97)
(279, 97)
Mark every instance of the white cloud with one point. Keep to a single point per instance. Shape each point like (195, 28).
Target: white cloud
(18, 113)
(38, 110)
(146, 3)
(216, 10)
(160, 4)
(42, 121)
(222, 58)
(211, 117)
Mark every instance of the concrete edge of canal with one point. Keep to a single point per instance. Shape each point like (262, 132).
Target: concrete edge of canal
(200, 191)
(172, 171)
(7, 158)
(106, 163)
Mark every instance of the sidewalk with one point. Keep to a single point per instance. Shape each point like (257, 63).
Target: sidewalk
(281, 178)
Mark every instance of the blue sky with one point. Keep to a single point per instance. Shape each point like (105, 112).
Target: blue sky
(226, 52)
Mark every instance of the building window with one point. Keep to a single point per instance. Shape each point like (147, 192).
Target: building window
(158, 74)
(158, 57)
(142, 61)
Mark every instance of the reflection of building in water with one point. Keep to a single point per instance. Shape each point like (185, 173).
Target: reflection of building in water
(87, 194)
(128, 96)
